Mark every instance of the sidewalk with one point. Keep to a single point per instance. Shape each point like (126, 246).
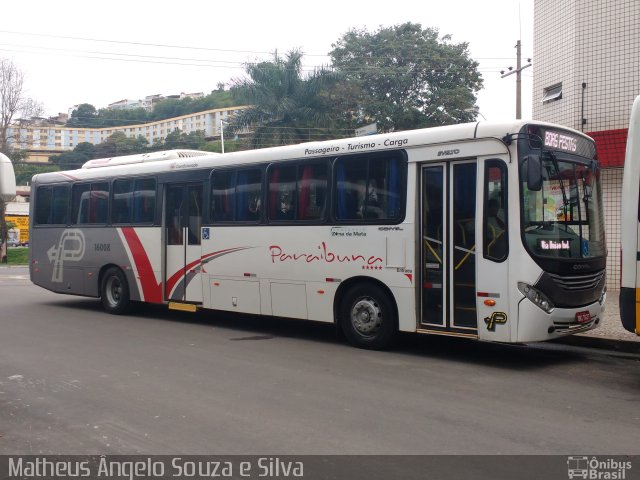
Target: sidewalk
(609, 334)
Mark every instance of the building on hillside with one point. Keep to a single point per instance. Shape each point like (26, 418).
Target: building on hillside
(149, 101)
(586, 75)
(126, 104)
(42, 139)
(192, 96)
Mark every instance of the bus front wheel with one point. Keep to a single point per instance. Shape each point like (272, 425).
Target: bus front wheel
(367, 317)
(114, 292)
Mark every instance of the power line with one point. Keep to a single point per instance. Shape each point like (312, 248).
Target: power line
(122, 42)
(208, 49)
(180, 61)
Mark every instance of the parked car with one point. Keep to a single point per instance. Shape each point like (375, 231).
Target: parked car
(12, 242)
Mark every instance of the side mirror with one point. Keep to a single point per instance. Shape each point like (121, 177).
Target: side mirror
(534, 173)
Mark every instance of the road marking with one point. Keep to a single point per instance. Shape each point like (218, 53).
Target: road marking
(14, 277)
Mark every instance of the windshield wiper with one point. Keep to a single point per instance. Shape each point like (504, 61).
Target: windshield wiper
(586, 195)
(565, 202)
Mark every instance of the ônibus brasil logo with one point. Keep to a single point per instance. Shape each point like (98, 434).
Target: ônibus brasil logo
(596, 469)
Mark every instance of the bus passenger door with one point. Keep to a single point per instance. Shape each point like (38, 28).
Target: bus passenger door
(494, 322)
(183, 218)
(448, 253)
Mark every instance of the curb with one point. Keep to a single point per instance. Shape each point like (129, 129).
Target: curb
(603, 343)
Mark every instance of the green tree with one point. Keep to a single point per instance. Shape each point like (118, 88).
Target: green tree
(178, 139)
(83, 152)
(13, 101)
(85, 116)
(25, 171)
(408, 77)
(119, 144)
(118, 117)
(285, 107)
(173, 107)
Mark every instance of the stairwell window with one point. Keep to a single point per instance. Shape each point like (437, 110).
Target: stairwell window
(552, 93)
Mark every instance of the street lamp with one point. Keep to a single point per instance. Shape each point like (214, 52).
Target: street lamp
(222, 124)
(475, 110)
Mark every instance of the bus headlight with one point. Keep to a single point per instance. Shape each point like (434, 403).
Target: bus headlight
(536, 296)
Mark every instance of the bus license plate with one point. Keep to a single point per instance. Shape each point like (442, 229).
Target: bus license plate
(583, 317)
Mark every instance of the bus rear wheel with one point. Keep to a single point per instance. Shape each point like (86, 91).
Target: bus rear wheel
(114, 292)
(367, 317)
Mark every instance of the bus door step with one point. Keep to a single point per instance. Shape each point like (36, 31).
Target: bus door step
(183, 307)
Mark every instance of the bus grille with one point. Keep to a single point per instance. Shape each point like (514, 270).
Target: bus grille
(575, 283)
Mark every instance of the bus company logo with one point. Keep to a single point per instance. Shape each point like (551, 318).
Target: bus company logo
(70, 248)
(596, 469)
(446, 153)
(324, 255)
(181, 165)
(495, 319)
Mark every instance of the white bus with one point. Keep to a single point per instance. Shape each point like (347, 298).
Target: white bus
(7, 194)
(630, 227)
(492, 231)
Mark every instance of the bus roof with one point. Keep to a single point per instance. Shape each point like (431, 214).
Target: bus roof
(143, 157)
(156, 162)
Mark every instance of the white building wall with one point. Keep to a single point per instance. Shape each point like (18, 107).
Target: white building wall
(612, 193)
(608, 60)
(554, 60)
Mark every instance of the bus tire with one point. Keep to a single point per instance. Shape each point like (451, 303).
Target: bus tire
(114, 292)
(367, 317)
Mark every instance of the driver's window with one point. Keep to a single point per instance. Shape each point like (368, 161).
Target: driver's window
(495, 239)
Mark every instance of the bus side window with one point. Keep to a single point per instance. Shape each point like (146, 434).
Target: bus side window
(248, 191)
(495, 238)
(282, 187)
(144, 200)
(223, 195)
(99, 205)
(351, 179)
(43, 205)
(60, 205)
(369, 187)
(80, 204)
(312, 191)
(121, 203)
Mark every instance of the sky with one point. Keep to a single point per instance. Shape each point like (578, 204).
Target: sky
(74, 52)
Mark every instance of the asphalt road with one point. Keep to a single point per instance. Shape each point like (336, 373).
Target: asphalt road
(76, 380)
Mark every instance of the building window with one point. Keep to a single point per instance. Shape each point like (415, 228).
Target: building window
(552, 93)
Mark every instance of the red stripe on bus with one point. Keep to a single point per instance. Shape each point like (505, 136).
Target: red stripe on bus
(179, 275)
(151, 289)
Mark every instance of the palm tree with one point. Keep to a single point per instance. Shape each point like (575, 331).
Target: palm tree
(285, 107)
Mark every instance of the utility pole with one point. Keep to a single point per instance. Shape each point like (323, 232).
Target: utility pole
(518, 72)
(222, 122)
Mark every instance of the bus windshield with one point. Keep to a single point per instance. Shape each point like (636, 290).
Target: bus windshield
(564, 217)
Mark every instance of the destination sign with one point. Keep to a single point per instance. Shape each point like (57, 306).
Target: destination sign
(554, 245)
(560, 141)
